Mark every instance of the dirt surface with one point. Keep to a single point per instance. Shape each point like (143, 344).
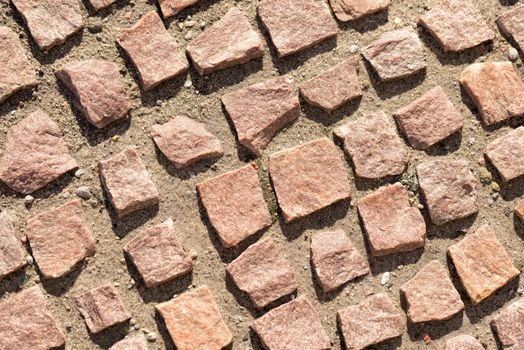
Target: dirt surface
(177, 188)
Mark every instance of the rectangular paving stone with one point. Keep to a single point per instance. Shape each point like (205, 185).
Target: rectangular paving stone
(308, 177)
(374, 146)
(504, 153)
(292, 326)
(135, 342)
(27, 324)
(60, 239)
(153, 51)
(511, 24)
(12, 255)
(349, 10)
(171, 8)
(392, 225)
(127, 182)
(261, 110)
(235, 204)
(194, 321)
(296, 25)
(496, 89)
(482, 263)
(509, 326)
(335, 259)
(101, 4)
(463, 342)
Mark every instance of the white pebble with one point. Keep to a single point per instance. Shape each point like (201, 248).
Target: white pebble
(385, 278)
(30, 260)
(353, 48)
(28, 200)
(188, 84)
(151, 336)
(83, 192)
(79, 173)
(513, 54)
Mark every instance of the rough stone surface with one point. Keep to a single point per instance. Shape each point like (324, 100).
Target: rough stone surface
(185, 141)
(429, 119)
(482, 263)
(127, 182)
(170, 8)
(235, 204)
(509, 326)
(374, 320)
(334, 87)
(348, 10)
(60, 239)
(98, 89)
(463, 342)
(519, 209)
(262, 273)
(296, 25)
(27, 324)
(50, 22)
(431, 296)
(101, 4)
(292, 326)
(194, 321)
(396, 54)
(12, 255)
(157, 254)
(136, 342)
(154, 52)
(496, 89)
(335, 259)
(102, 308)
(505, 153)
(511, 24)
(34, 154)
(449, 188)
(374, 146)
(308, 178)
(392, 225)
(260, 110)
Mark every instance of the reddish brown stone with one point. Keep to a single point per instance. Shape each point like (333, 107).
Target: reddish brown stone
(449, 188)
(136, 342)
(157, 254)
(101, 4)
(12, 255)
(335, 259)
(26, 323)
(349, 10)
(511, 24)
(170, 8)
(127, 182)
(374, 146)
(296, 25)
(262, 273)
(98, 90)
(463, 342)
(334, 87)
(482, 263)
(509, 326)
(260, 110)
(292, 326)
(185, 141)
(308, 178)
(235, 204)
(429, 119)
(194, 321)
(392, 224)
(154, 52)
(374, 320)
(505, 154)
(519, 209)
(50, 22)
(496, 89)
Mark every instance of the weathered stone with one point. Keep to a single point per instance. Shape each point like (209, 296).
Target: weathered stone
(34, 154)
(482, 263)
(98, 89)
(235, 204)
(374, 320)
(26, 323)
(102, 308)
(292, 326)
(262, 273)
(509, 326)
(496, 89)
(136, 342)
(335, 259)
(519, 209)
(127, 182)
(101, 4)
(50, 22)
(334, 87)
(463, 342)
(185, 141)
(431, 296)
(194, 321)
(154, 52)
(260, 110)
(308, 178)
(429, 119)
(505, 154)
(296, 25)
(170, 8)
(392, 225)
(349, 10)
(449, 188)
(12, 255)
(511, 24)
(60, 239)
(374, 146)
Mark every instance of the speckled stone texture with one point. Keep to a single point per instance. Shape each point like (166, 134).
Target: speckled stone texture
(505, 153)
(482, 263)
(12, 255)
(519, 209)
(349, 10)
(170, 8)
(292, 326)
(101, 4)
(135, 342)
(463, 342)
(259, 111)
(308, 177)
(235, 204)
(296, 25)
(194, 321)
(511, 24)
(509, 326)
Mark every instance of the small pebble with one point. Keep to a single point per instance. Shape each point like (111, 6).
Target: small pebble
(495, 186)
(84, 192)
(79, 173)
(189, 35)
(513, 54)
(385, 278)
(151, 337)
(30, 260)
(397, 20)
(28, 200)
(188, 84)
(353, 48)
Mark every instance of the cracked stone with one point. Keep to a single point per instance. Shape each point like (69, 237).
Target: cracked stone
(463, 342)
(349, 10)
(12, 255)
(509, 326)
(511, 24)
(505, 154)
(136, 342)
(170, 8)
